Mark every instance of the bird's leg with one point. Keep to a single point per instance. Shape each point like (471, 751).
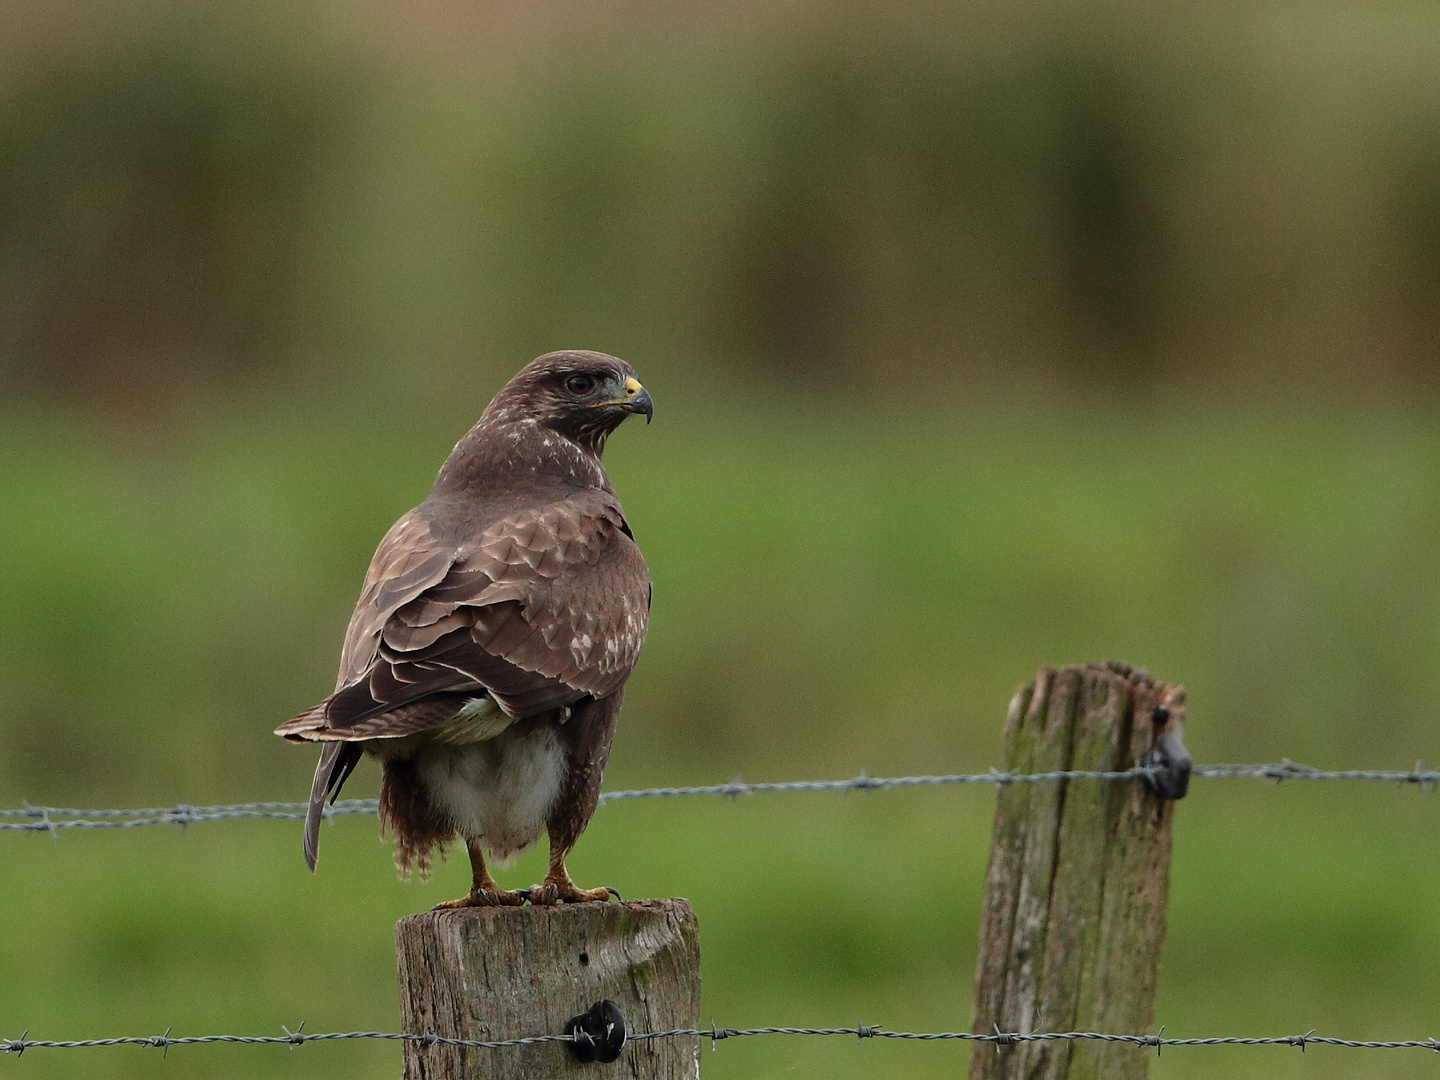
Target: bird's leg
(558, 886)
(483, 891)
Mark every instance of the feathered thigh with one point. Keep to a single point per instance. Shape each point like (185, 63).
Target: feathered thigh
(501, 791)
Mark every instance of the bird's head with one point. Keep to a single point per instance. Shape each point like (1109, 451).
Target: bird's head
(581, 395)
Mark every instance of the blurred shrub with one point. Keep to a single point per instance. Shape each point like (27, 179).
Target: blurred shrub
(869, 204)
(905, 194)
(843, 199)
(158, 216)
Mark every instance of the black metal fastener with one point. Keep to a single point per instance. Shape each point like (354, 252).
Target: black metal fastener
(599, 1034)
(1168, 761)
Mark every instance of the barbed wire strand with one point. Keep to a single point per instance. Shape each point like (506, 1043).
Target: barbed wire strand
(53, 818)
(1001, 1039)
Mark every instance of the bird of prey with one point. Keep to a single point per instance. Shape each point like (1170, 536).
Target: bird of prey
(487, 656)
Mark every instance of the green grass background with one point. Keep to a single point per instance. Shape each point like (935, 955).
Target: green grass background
(836, 588)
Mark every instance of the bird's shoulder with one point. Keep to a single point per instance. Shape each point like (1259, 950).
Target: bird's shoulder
(542, 548)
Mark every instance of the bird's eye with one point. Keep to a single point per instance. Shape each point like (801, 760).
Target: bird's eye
(579, 385)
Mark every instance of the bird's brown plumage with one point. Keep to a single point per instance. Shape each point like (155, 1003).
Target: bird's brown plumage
(516, 580)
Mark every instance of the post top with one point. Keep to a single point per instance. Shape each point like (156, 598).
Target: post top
(612, 912)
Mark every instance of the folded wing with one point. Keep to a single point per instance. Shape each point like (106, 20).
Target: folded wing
(542, 608)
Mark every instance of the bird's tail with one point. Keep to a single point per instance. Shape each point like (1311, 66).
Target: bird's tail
(306, 726)
(337, 762)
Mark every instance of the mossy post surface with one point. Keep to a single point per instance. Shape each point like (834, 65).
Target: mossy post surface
(512, 972)
(1074, 917)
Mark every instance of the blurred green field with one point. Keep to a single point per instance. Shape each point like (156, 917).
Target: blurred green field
(836, 588)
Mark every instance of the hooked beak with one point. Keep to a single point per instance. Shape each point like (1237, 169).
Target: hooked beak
(637, 399)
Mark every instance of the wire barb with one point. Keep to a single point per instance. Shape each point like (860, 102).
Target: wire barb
(1001, 1039)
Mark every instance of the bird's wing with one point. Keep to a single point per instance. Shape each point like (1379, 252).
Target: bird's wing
(409, 560)
(540, 609)
(545, 606)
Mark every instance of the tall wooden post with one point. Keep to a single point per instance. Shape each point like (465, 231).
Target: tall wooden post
(1074, 915)
(513, 972)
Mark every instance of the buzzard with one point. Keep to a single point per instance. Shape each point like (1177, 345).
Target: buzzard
(487, 656)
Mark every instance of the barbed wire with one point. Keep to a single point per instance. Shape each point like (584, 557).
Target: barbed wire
(1000, 1039)
(53, 818)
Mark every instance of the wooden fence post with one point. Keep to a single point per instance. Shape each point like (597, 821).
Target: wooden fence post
(1074, 915)
(506, 973)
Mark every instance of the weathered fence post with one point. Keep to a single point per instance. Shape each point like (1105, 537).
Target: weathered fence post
(1074, 915)
(513, 972)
